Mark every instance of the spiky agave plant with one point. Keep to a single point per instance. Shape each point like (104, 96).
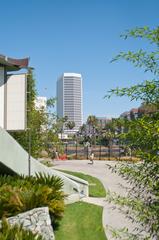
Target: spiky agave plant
(21, 194)
(16, 232)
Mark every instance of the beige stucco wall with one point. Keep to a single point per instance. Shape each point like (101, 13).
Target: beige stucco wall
(1, 97)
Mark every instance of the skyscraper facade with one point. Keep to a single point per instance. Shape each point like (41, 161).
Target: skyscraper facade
(69, 99)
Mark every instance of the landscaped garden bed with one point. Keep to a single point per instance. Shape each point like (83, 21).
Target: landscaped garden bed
(19, 194)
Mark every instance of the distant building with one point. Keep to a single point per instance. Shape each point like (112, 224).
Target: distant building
(125, 115)
(63, 136)
(70, 99)
(132, 114)
(102, 121)
(40, 103)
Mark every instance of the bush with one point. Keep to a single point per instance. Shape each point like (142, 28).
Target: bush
(8, 232)
(20, 194)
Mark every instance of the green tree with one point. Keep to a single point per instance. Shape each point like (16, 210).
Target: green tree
(147, 109)
(143, 135)
(70, 124)
(110, 132)
(51, 102)
(60, 123)
(34, 119)
(82, 134)
(40, 123)
(92, 122)
(83, 130)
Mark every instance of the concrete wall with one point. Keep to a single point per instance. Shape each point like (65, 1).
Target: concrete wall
(15, 158)
(83, 185)
(36, 220)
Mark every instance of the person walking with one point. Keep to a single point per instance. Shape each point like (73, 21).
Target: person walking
(90, 154)
(92, 158)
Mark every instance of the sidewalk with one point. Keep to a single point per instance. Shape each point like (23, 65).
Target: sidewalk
(112, 182)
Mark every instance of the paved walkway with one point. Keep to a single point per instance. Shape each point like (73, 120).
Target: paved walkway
(112, 182)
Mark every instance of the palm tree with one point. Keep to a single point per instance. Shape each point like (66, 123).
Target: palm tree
(92, 122)
(60, 124)
(83, 130)
(70, 124)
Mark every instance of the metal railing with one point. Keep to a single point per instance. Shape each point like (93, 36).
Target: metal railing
(113, 152)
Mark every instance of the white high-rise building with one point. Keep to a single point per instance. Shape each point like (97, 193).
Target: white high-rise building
(70, 99)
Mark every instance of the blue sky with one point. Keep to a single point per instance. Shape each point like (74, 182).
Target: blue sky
(78, 36)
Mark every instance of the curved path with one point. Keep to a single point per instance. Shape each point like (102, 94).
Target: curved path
(112, 182)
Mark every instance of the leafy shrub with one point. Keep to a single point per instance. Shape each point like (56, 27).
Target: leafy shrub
(19, 194)
(16, 232)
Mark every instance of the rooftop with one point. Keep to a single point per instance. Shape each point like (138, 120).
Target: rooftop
(13, 64)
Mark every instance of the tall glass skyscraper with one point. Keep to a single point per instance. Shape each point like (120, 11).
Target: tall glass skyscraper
(69, 99)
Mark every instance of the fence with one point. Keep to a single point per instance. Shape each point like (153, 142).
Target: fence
(77, 151)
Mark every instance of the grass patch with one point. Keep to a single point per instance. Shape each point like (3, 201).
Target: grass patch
(96, 188)
(81, 221)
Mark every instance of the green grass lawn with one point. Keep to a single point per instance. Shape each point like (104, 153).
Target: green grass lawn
(96, 188)
(81, 221)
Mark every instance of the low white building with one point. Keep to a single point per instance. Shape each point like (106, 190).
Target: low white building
(13, 93)
(40, 103)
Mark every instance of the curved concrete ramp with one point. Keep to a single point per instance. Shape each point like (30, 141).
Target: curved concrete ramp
(15, 158)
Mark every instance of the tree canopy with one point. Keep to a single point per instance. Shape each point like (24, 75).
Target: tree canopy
(143, 135)
(41, 123)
